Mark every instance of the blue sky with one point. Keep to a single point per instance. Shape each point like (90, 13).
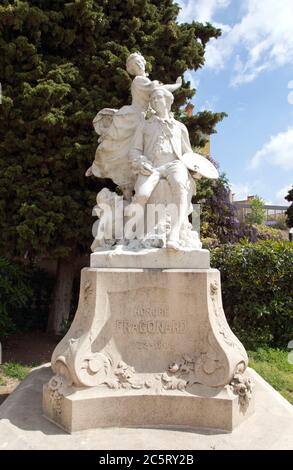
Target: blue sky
(249, 75)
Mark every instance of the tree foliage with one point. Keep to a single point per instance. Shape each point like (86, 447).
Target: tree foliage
(257, 290)
(289, 211)
(25, 296)
(61, 62)
(201, 125)
(257, 211)
(219, 222)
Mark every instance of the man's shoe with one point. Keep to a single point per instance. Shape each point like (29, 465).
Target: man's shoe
(173, 245)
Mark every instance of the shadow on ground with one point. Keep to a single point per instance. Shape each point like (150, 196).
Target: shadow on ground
(30, 415)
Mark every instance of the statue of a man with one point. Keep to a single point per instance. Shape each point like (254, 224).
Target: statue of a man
(157, 149)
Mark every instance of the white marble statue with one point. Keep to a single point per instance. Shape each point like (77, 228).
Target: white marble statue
(149, 156)
(149, 344)
(156, 152)
(117, 127)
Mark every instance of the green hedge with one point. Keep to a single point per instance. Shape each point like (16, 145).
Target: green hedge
(271, 233)
(25, 296)
(257, 285)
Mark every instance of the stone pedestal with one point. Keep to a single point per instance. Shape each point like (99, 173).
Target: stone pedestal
(154, 258)
(149, 347)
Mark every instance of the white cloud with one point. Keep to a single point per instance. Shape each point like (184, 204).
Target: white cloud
(280, 195)
(240, 191)
(200, 10)
(210, 104)
(290, 94)
(264, 35)
(189, 77)
(278, 151)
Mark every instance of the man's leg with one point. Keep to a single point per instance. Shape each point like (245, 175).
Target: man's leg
(143, 188)
(178, 178)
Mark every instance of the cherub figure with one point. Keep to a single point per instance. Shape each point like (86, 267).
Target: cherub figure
(117, 128)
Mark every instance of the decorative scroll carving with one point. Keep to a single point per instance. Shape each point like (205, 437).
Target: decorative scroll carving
(222, 325)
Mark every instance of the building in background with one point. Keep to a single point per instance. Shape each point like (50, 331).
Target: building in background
(273, 213)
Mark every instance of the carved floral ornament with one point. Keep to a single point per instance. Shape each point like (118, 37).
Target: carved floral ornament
(214, 287)
(56, 387)
(242, 386)
(180, 376)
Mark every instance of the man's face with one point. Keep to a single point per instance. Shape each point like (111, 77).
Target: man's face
(158, 102)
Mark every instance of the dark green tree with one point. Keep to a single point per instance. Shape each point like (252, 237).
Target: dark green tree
(289, 211)
(201, 125)
(61, 62)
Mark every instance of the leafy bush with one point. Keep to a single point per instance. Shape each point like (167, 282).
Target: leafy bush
(257, 282)
(15, 293)
(281, 222)
(270, 233)
(289, 211)
(34, 314)
(25, 295)
(219, 222)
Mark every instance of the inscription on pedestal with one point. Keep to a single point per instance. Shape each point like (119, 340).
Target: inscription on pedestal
(149, 325)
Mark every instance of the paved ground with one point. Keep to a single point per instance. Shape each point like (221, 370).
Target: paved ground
(22, 426)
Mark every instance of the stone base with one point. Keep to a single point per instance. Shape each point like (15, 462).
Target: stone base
(82, 409)
(149, 347)
(153, 258)
(24, 427)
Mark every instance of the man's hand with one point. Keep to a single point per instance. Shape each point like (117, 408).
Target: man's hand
(142, 166)
(146, 169)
